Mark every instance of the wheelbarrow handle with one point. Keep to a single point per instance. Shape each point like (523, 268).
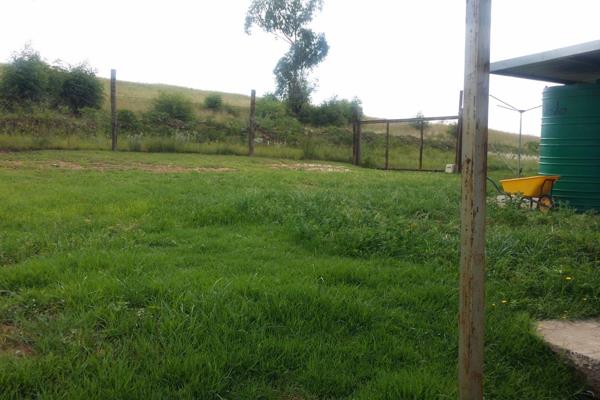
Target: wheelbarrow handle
(495, 185)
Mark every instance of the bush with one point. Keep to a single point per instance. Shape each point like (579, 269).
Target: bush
(24, 82)
(81, 89)
(272, 116)
(213, 102)
(128, 121)
(171, 108)
(532, 147)
(332, 112)
(29, 81)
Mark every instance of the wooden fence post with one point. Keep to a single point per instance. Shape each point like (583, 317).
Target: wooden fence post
(422, 128)
(252, 123)
(113, 108)
(358, 140)
(473, 200)
(387, 146)
(353, 139)
(459, 129)
(356, 133)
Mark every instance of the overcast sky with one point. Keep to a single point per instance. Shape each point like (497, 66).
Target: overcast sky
(398, 56)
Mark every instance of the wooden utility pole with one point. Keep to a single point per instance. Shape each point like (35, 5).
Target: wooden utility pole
(422, 128)
(113, 108)
(387, 146)
(474, 169)
(252, 123)
(459, 125)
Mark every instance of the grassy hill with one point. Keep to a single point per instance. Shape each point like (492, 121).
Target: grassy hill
(224, 132)
(138, 97)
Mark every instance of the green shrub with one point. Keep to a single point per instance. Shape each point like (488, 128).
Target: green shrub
(24, 82)
(532, 147)
(272, 116)
(332, 112)
(81, 89)
(169, 107)
(128, 122)
(213, 102)
(338, 135)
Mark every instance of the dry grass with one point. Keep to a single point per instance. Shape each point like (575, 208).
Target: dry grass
(138, 97)
(156, 168)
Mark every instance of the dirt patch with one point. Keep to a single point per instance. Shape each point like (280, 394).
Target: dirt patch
(156, 168)
(165, 169)
(11, 164)
(12, 342)
(66, 165)
(310, 167)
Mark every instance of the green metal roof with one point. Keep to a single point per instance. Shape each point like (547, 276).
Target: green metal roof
(573, 64)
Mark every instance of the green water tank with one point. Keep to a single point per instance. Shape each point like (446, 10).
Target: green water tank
(570, 143)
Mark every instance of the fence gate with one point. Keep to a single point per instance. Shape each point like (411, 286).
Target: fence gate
(408, 144)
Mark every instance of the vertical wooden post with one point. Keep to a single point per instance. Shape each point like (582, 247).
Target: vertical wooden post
(473, 207)
(354, 124)
(387, 146)
(113, 108)
(459, 129)
(358, 140)
(356, 133)
(422, 128)
(252, 123)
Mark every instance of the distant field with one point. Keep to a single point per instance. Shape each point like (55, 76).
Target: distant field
(138, 97)
(161, 276)
(57, 131)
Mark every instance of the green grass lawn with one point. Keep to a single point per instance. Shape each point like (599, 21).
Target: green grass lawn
(156, 276)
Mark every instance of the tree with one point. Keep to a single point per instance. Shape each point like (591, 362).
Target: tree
(81, 89)
(288, 20)
(25, 80)
(417, 124)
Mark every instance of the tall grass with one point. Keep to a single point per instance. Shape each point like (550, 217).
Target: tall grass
(270, 283)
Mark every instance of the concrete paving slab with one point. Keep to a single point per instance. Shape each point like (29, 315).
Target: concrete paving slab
(579, 341)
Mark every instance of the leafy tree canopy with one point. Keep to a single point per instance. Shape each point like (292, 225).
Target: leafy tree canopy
(81, 89)
(288, 20)
(25, 80)
(29, 81)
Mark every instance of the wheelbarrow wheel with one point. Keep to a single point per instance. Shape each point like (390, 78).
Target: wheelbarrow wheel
(545, 203)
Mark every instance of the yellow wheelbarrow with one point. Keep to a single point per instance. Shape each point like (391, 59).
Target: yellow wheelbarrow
(537, 190)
